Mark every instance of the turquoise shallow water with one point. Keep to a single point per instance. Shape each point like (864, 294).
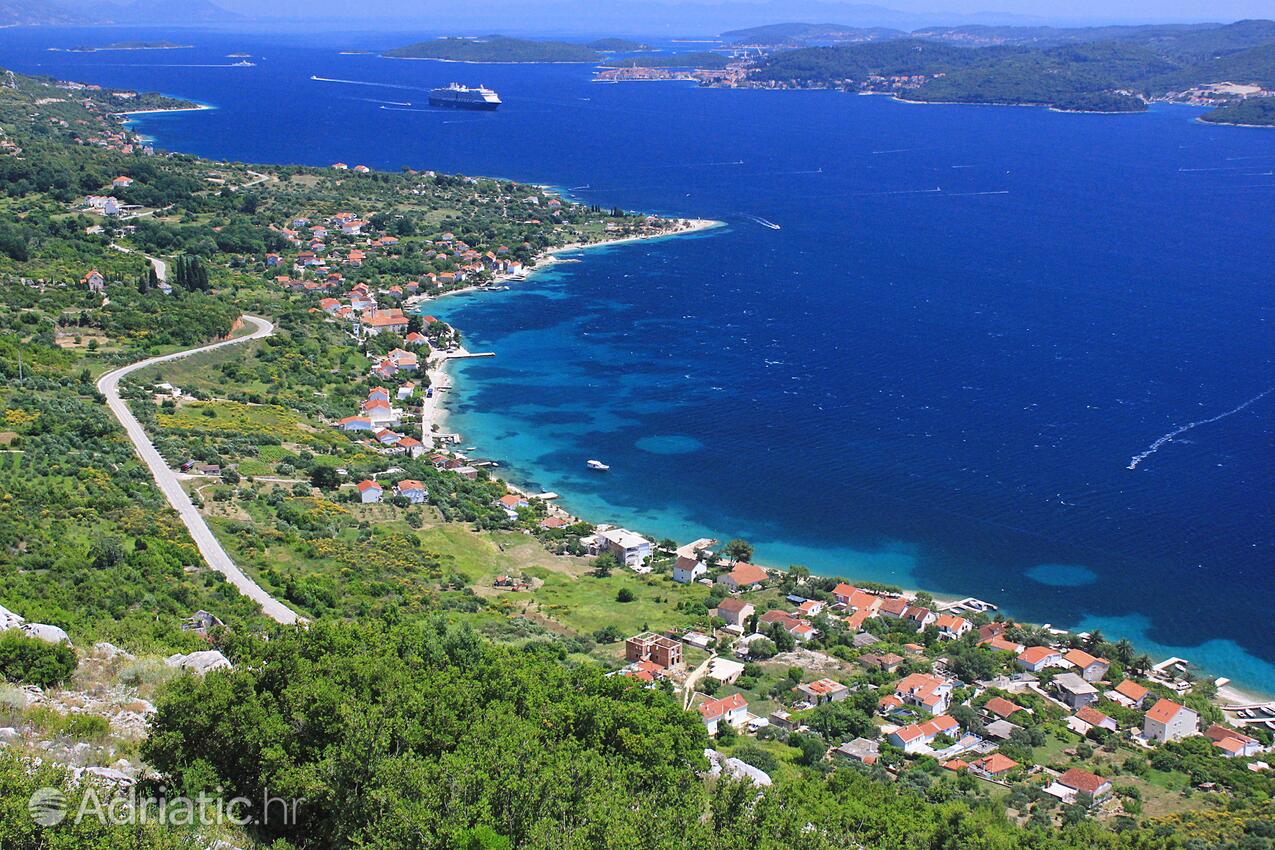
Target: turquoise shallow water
(937, 372)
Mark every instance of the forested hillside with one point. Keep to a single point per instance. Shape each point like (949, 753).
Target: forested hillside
(1115, 75)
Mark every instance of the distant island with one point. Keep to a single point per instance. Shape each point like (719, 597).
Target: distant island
(130, 45)
(1094, 69)
(495, 49)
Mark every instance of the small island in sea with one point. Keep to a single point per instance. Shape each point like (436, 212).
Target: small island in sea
(130, 45)
(495, 49)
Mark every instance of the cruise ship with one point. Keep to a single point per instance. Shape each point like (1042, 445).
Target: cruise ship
(457, 96)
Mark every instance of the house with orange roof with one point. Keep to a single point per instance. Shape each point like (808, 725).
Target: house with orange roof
(1036, 658)
(379, 321)
(1079, 784)
(855, 621)
(1090, 668)
(810, 608)
(1002, 708)
(94, 281)
(369, 492)
(413, 491)
(1090, 718)
(355, 423)
(731, 710)
(917, 737)
(801, 631)
(821, 691)
(415, 338)
(411, 446)
(1001, 644)
(842, 593)
(994, 765)
(744, 576)
(1168, 721)
(894, 607)
(924, 690)
(1129, 693)
(955, 765)
(1231, 743)
(919, 616)
(951, 626)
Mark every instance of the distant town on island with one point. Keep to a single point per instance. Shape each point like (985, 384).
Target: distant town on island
(1092, 69)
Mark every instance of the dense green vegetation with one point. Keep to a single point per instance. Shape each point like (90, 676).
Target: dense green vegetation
(1259, 111)
(31, 661)
(1082, 72)
(496, 48)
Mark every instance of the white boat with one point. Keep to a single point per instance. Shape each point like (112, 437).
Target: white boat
(598, 465)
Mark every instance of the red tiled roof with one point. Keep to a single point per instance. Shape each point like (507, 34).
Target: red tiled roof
(1132, 690)
(1002, 707)
(1082, 780)
(1092, 716)
(1164, 711)
(1036, 654)
(747, 574)
(996, 764)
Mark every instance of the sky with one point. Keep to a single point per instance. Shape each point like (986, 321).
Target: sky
(711, 16)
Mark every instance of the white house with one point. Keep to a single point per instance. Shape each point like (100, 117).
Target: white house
(413, 491)
(918, 736)
(1167, 721)
(629, 548)
(687, 570)
(734, 611)
(732, 710)
(369, 492)
(1036, 658)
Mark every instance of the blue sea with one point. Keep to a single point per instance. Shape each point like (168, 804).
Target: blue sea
(937, 370)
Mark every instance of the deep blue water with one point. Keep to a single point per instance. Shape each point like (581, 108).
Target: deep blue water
(943, 389)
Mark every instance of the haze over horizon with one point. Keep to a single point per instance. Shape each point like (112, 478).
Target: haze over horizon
(713, 16)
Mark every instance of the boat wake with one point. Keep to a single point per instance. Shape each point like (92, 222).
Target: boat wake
(386, 102)
(1176, 432)
(319, 79)
(763, 222)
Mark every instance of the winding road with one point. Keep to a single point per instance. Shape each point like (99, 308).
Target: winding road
(168, 483)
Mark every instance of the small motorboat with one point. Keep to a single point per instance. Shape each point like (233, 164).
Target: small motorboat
(597, 465)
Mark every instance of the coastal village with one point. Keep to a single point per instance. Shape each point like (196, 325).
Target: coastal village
(781, 667)
(897, 683)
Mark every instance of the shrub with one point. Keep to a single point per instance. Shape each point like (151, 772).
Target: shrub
(31, 661)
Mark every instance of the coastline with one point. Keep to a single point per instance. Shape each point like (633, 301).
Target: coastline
(198, 107)
(1229, 693)
(545, 261)
(433, 411)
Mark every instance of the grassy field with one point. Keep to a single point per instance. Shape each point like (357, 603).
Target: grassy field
(585, 603)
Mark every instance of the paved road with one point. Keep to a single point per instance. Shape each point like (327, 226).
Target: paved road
(170, 486)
